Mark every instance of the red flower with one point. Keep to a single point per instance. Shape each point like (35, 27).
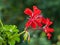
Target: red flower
(48, 31)
(43, 20)
(46, 21)
(35, 17)
(49, 35)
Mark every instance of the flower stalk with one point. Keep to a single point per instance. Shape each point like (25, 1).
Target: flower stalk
(1, 23)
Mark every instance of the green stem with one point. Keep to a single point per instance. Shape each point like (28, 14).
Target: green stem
(1, 23)
(0, 18)
(17, 35)
(21, 33)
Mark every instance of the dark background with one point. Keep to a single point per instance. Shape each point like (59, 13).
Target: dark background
(12, 12)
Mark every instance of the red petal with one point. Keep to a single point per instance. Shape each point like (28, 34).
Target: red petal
(43, 20)
(36, 11)
(51, 30)
(28, 24)
(48, 22)
(49, 35)
(28, 12)
(39, 24)
(48, 30)
(38, 21)
(33, 25)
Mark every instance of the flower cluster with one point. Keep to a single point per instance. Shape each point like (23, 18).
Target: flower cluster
(37, 20)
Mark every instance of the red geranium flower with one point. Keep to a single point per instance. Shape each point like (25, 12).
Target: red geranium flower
(48, 31)
(46, 21)
(35, 17)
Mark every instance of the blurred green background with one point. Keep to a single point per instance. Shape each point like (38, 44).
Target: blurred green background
(12, 12)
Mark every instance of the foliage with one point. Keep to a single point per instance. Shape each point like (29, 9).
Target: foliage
(9, 35)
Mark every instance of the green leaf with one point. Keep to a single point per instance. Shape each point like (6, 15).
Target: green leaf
(1, 39)
(17, 39)
(11, 33)
(11, 42)
(11, 28)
